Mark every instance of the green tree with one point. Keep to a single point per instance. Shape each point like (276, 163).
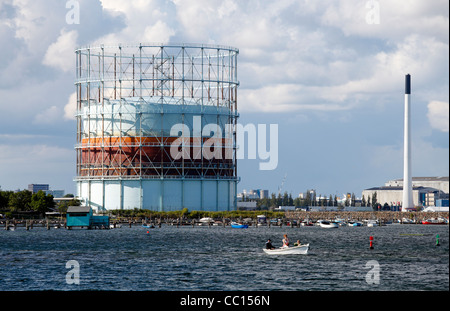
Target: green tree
(363, 201)
(307, 200)
(290, 200)
(273, 201)
(347, 201)
(184, 212)
(374, 200)
(285, 200)
(63, 205)
(279, 200)
(20, 201)
(263, 203)
(40, 202)
(4, 198)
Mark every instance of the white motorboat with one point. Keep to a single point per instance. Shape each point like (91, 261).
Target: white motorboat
(328, 224)
(307, 223)
(301, 249)
(355, 224)
(206, 220)
(340, 221)
(372, 223)
(407, 221)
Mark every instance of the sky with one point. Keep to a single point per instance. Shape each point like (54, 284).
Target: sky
(329, 73)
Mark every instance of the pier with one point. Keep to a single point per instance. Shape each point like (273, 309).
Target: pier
(290, 219)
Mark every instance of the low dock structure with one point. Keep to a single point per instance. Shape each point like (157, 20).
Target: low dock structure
(82, 216)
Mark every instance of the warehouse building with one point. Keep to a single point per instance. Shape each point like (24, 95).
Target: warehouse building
(426, 191)
(440, 183)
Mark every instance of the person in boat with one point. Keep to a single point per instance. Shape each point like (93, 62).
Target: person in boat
(297, 243)
(285, 241)
(269, 244)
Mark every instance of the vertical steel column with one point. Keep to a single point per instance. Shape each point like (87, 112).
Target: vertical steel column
(162, 116)
(89, 116)
(141, 134)
(119, 165)
(103, 118)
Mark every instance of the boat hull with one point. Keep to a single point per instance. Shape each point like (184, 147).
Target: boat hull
(295, 250)
(329, 225)
(355, 224)
(432, 223)
(239, 226)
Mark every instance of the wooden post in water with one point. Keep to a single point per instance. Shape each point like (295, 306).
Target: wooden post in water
(26, 225)
(7, 225)
(48, 225)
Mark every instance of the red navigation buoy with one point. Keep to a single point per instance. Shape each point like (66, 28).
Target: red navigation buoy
(371, 242)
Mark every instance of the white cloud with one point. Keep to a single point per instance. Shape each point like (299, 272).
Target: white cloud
(438, 115)
(159, 32)
(288, 82)
(37, 22)
(397, 19)
(145, 22)
(61, 53)
(306, 57)
(48, 116)
(70, 108)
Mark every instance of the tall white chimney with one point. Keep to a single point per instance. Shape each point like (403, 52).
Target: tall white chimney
(407, 177)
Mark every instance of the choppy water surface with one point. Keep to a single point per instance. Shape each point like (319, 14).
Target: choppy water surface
(218, 258)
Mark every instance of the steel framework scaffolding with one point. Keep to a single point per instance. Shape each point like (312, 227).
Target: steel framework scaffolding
(129, 97)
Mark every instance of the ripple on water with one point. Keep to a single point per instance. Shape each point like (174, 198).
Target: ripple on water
(220, 258)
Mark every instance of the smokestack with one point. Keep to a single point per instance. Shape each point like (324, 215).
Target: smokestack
(407, 177)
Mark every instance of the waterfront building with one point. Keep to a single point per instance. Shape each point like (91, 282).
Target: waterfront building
(55, 193)
(83, 216)
(156, 127)
(440, 183)
(253, 194)
(34, 188)
(426, 191)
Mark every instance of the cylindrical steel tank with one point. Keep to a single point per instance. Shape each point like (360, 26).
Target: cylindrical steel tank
(156, 127)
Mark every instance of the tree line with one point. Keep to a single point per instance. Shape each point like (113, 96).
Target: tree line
(286, 199)
(194, 214)
(26, 201)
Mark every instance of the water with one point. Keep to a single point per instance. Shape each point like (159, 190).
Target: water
(225, 259)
